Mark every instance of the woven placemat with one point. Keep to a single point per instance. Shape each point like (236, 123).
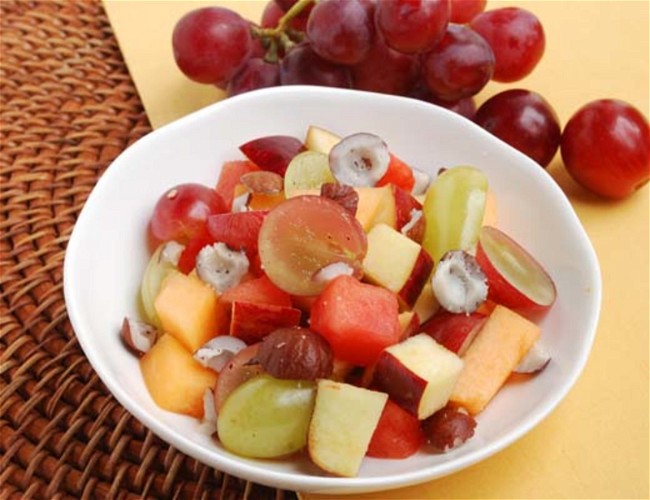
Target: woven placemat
(68, 108)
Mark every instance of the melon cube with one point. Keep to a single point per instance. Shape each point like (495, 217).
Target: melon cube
(495, 352)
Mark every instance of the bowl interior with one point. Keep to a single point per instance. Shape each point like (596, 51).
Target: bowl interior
(107, 255)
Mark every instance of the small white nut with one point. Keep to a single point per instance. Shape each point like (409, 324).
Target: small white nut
(535, 360)
(240, 203)
(138, 336)
(359, 160)
(209, 408)
(422, 182)
(459, 283)
(220, 266)
(217, 352)
(171, 252)
(331, 271)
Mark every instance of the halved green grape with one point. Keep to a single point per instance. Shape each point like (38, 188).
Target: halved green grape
(453, 211)
(157, 269)
(266, 417)
(307, 170)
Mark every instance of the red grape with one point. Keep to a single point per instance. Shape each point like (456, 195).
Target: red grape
(460, 65)
(463, 11)
(412, 26)
(385, 70)
(606, 148)
(523, 119)
(255, 74)
(302, 66)
(182, 212)
(517, 40)
(211, 44)
(271, 15)
(465, 107)
(340, 31)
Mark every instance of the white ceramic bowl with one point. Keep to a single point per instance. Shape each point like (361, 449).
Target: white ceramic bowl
(107, 254)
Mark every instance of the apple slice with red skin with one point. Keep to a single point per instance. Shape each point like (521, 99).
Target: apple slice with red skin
(252, 322)
(454, 331)
(515, 279)
(273, 152)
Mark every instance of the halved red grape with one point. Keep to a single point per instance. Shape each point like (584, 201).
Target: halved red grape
(340, 31)
(523, 119)
(517, 40)
(302, 66)
(412, 26)
(210, 44)
(304, 235)
(273, 152)
(606, 148)
(460, 65)
(181, 213)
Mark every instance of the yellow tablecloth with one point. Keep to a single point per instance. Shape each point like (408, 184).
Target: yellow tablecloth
(595, 444)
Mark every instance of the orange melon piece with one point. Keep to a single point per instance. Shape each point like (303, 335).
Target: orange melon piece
(174, 379)
(376, 206)
(497, 349)
(189, 310)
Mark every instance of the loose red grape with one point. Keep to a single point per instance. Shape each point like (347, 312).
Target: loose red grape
(255, 74)
(463, 11)
(606, 148)
(460, 65)
(517, 40)
(211, 44)
(412, 26)
(340, 31)
(302, 66)
(182, 212)
(385, 70)
(523, 119)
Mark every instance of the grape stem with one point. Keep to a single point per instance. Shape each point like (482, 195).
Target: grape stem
(282, 36)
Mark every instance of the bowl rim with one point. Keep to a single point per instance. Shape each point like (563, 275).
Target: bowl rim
(293, 480)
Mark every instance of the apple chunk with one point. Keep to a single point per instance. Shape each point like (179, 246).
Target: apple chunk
(397, 263)
(321, 140)
(454, 331)
(342, 425)
(418, 374)
(515, 279)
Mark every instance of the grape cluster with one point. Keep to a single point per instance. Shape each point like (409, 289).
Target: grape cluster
(439, 51)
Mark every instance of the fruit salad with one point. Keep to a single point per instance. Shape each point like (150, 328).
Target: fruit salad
(325, 272)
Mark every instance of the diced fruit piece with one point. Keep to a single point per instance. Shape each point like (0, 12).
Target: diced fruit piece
(188, 309)
(174, 379)
(342, 425)
(246, 200)
(359, 160)
(346, 196)
(418, 374)
(266, 417)
(448, 428)
(459, 283)
(409, 324)
(156, 271)
(397, 263)
(535, 360)
(515, 278)
(307, 170)
(263, 182)
(272, 153)
(242, 367)
(230, 176)
(297, 354)
(181, 212)
(399, 174)
(397, 435)
(496, 351)
(376, 206)
(426, 305)
(257, 291)
(454, 331)
(453, 209)
(358, 320)
(187, 260)
(321, 140)
(405, 204)
(252, 322)
(138, 336)
(305, 234)
(237, 230)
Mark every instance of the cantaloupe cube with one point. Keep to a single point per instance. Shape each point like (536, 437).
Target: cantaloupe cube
(497, 349)
(376, 206)
(189, 310)
(175, 380)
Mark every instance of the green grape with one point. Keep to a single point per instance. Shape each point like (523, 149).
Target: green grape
(453, 211)
(266, 417)
(307, 170)
(157, 270)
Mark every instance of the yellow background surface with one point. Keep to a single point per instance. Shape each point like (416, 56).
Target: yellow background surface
(596, 443)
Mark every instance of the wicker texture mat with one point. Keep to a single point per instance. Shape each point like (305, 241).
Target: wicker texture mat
(68, 108)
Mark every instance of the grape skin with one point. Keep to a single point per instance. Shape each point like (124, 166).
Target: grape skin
(302, 66)
(255, 74)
